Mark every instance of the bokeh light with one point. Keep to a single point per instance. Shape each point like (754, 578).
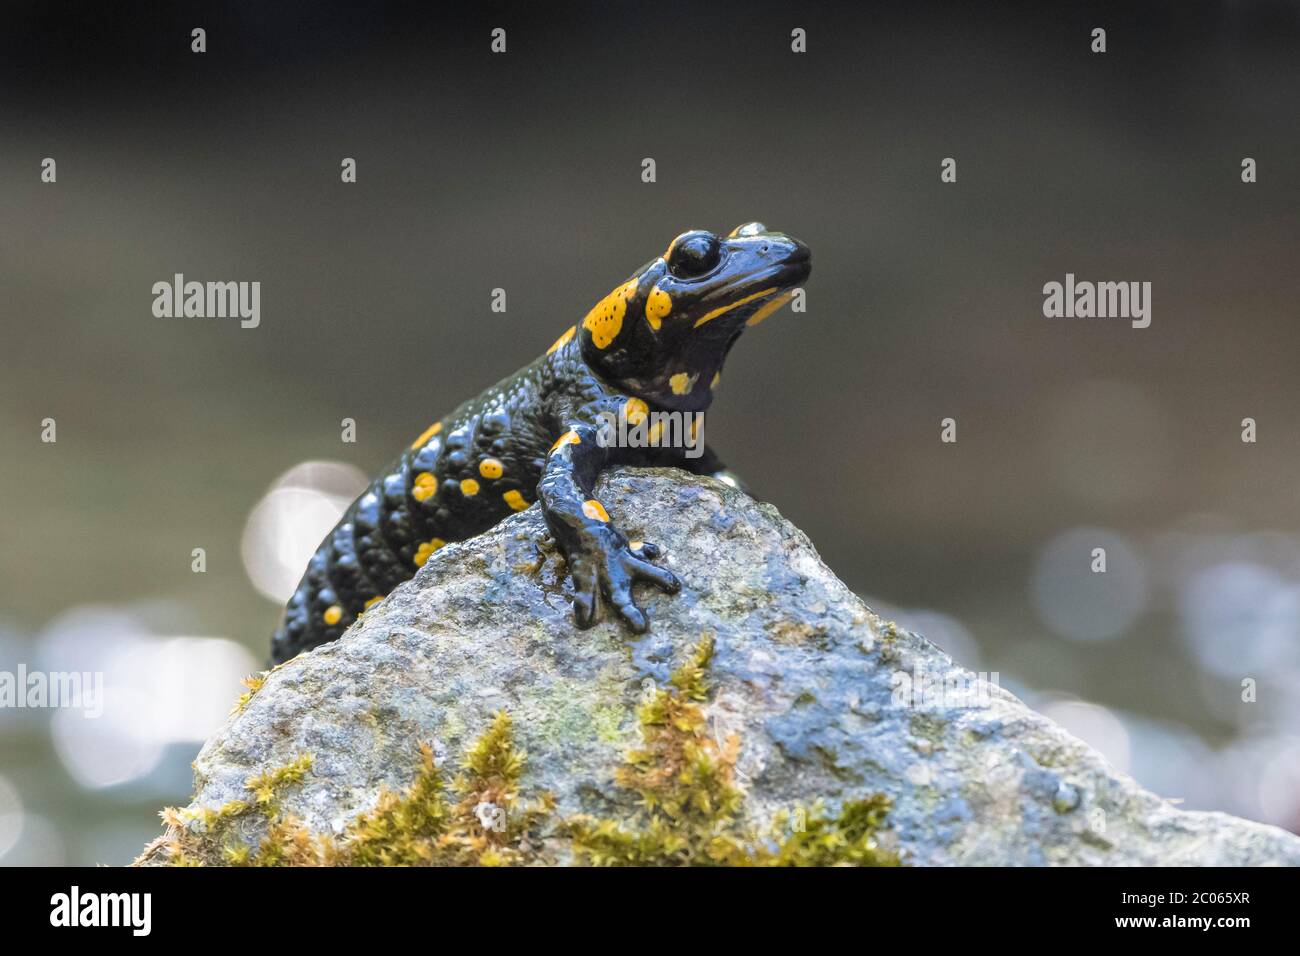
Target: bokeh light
(1082, 604)
(288, 524)
(40, 844)
(1241, 618)
(157, 690)
(1260, 778)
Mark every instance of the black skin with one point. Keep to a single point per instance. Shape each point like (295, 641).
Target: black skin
(714, 287)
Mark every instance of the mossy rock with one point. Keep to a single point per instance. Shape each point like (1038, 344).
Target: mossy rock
(464, 719)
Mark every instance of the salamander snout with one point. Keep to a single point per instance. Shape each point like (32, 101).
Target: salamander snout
(796, 256)
(772, 255)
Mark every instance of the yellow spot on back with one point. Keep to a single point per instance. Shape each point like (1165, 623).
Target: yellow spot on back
(681, 383)
(333, 614)
(768, 308)
(426, 549)
(563, 340)
(605, 320)
(515, 500)
(426, 435)
(373, 601)
(469, 487)
(491, 468)
(635, 411)
(710, 316)
(657, 306)
(594, 510)
(568, 438)
(424, 487)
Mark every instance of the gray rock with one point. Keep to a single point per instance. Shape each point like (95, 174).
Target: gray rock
(814, 683)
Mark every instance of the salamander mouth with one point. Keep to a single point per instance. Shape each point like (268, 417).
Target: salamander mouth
(746, 294)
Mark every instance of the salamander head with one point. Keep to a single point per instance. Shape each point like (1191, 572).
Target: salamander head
(664, 334)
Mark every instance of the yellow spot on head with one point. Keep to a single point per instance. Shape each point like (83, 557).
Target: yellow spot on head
(563, 340)
(681, 383)
(605, 320)
(469, 487)
(426, 435)
(424, 487)
(657, 306)
(594, 510)
(426, 549)
(710, 316)
(515, 500)
(768, 308)
(717, 377)
(333, 614)
(635, 545)
(568, 438)
(491, 468)
(635, 411)
(373, 601)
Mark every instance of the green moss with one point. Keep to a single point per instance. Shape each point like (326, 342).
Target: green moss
(479, 820)
(254, 684)
(488, 826)
(215, 819)
(689, 810)
(204, 835)
(401, 830)
(847, 838)
(264, 787)
(287, 842)
(493, 760)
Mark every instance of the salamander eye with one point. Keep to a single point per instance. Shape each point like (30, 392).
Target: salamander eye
(693, 254)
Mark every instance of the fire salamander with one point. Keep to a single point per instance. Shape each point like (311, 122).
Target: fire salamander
(655, 344)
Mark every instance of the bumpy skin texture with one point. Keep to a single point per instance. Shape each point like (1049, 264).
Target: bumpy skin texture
(655, 344)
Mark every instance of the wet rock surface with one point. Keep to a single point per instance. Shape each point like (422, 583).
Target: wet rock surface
(827, 702)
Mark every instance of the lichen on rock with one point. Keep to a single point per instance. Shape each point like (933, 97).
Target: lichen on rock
(769, 717)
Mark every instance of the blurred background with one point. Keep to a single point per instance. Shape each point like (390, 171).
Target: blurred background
(522, 172)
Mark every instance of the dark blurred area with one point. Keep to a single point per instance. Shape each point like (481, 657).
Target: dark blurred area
(522, 171)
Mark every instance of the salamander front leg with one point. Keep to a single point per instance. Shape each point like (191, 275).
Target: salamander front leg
(602, 563)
